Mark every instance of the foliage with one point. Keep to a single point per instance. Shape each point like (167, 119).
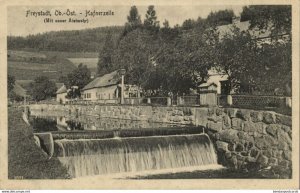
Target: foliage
(263, 68)
(10, 83)
(88, 40)
(80, 77)
(222, 17)
(276, 18)
(105, 56)
(42, 88)
(150, 21)
(133, 21)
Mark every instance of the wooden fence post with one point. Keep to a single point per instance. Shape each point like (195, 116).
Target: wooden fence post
(149, 100)
(288, 102)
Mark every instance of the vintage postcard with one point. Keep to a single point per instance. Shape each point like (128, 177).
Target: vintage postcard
(149, 95)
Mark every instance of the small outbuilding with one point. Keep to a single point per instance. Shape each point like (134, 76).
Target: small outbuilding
(61, 94)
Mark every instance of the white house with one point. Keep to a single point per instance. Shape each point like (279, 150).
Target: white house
(61, 94)
(108, 88)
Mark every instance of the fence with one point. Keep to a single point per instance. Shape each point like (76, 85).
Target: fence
(258, 101)
(166, 101)
(193, 100)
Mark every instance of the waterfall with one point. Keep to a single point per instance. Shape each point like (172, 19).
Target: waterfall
(134, 154)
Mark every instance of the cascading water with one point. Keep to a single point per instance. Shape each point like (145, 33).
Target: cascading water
(134, 154)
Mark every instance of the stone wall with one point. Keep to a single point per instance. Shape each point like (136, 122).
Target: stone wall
(244, 139)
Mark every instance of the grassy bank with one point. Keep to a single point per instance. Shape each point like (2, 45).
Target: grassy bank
(25, 159)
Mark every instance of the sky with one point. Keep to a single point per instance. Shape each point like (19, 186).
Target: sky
(20, 25)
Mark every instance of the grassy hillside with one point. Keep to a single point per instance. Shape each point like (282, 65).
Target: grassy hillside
(87, 40)
(24, 65)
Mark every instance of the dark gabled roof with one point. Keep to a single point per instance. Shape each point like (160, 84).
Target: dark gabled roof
(112, 78)
(244, 26)
(19, 90)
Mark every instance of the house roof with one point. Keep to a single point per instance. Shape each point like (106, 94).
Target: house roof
(19, 90)
(103, 81)
(62, 89)
(207, 84)
(243, 26)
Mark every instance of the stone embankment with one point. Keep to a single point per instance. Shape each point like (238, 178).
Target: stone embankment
(244, 139)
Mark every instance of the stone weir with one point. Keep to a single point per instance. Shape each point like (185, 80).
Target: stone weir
(244, 139)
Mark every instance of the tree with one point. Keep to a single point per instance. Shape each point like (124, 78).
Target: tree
(80, 77)
(10, 83)
(104, 65)
(276, 18)
(150, 21)
(42, 88)
(222, 17)
(133, 21)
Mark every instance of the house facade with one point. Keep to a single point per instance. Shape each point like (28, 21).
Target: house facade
(108, 88)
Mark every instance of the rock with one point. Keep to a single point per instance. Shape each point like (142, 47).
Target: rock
(249, 126)
(287, 155)
(231, 146)
(272, 129)
(211, 111)
(269, 117)
(234, 162)
(243, 114)
(226, 122)
(262, 160)
(265, 142)
(277, 153)
(244, 153)
(239, 147)
(254, 153)
(273, 161)
(256, 116)
(214, 126)
(215, 118)
(284, 163)
(250, 159)
(283, 136)
(228, 155)
(222, 146)
(286, 128)
(284, 119)
(267, 152)
(231, 112)
(282, 145)
(245, 136)
(219, 111)
(229, 135)
(237, 124)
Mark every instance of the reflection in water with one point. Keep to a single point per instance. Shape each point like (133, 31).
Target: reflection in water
(69, 123)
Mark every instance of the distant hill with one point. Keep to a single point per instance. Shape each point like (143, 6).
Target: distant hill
(25, 66)
(87, 40)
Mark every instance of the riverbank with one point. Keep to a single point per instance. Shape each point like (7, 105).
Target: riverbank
(25, 159)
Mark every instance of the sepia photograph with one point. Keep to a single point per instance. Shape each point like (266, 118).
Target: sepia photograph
(151, 92)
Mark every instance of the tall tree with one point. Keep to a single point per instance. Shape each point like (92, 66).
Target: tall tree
(133, 21)
(105, 64)
(275, 18)
(222, 17)
(80, 77)
(150, 21)
(42, 88)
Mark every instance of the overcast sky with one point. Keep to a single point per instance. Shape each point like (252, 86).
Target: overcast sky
(20, 25)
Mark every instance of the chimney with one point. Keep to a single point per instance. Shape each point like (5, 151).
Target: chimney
(236, 20)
